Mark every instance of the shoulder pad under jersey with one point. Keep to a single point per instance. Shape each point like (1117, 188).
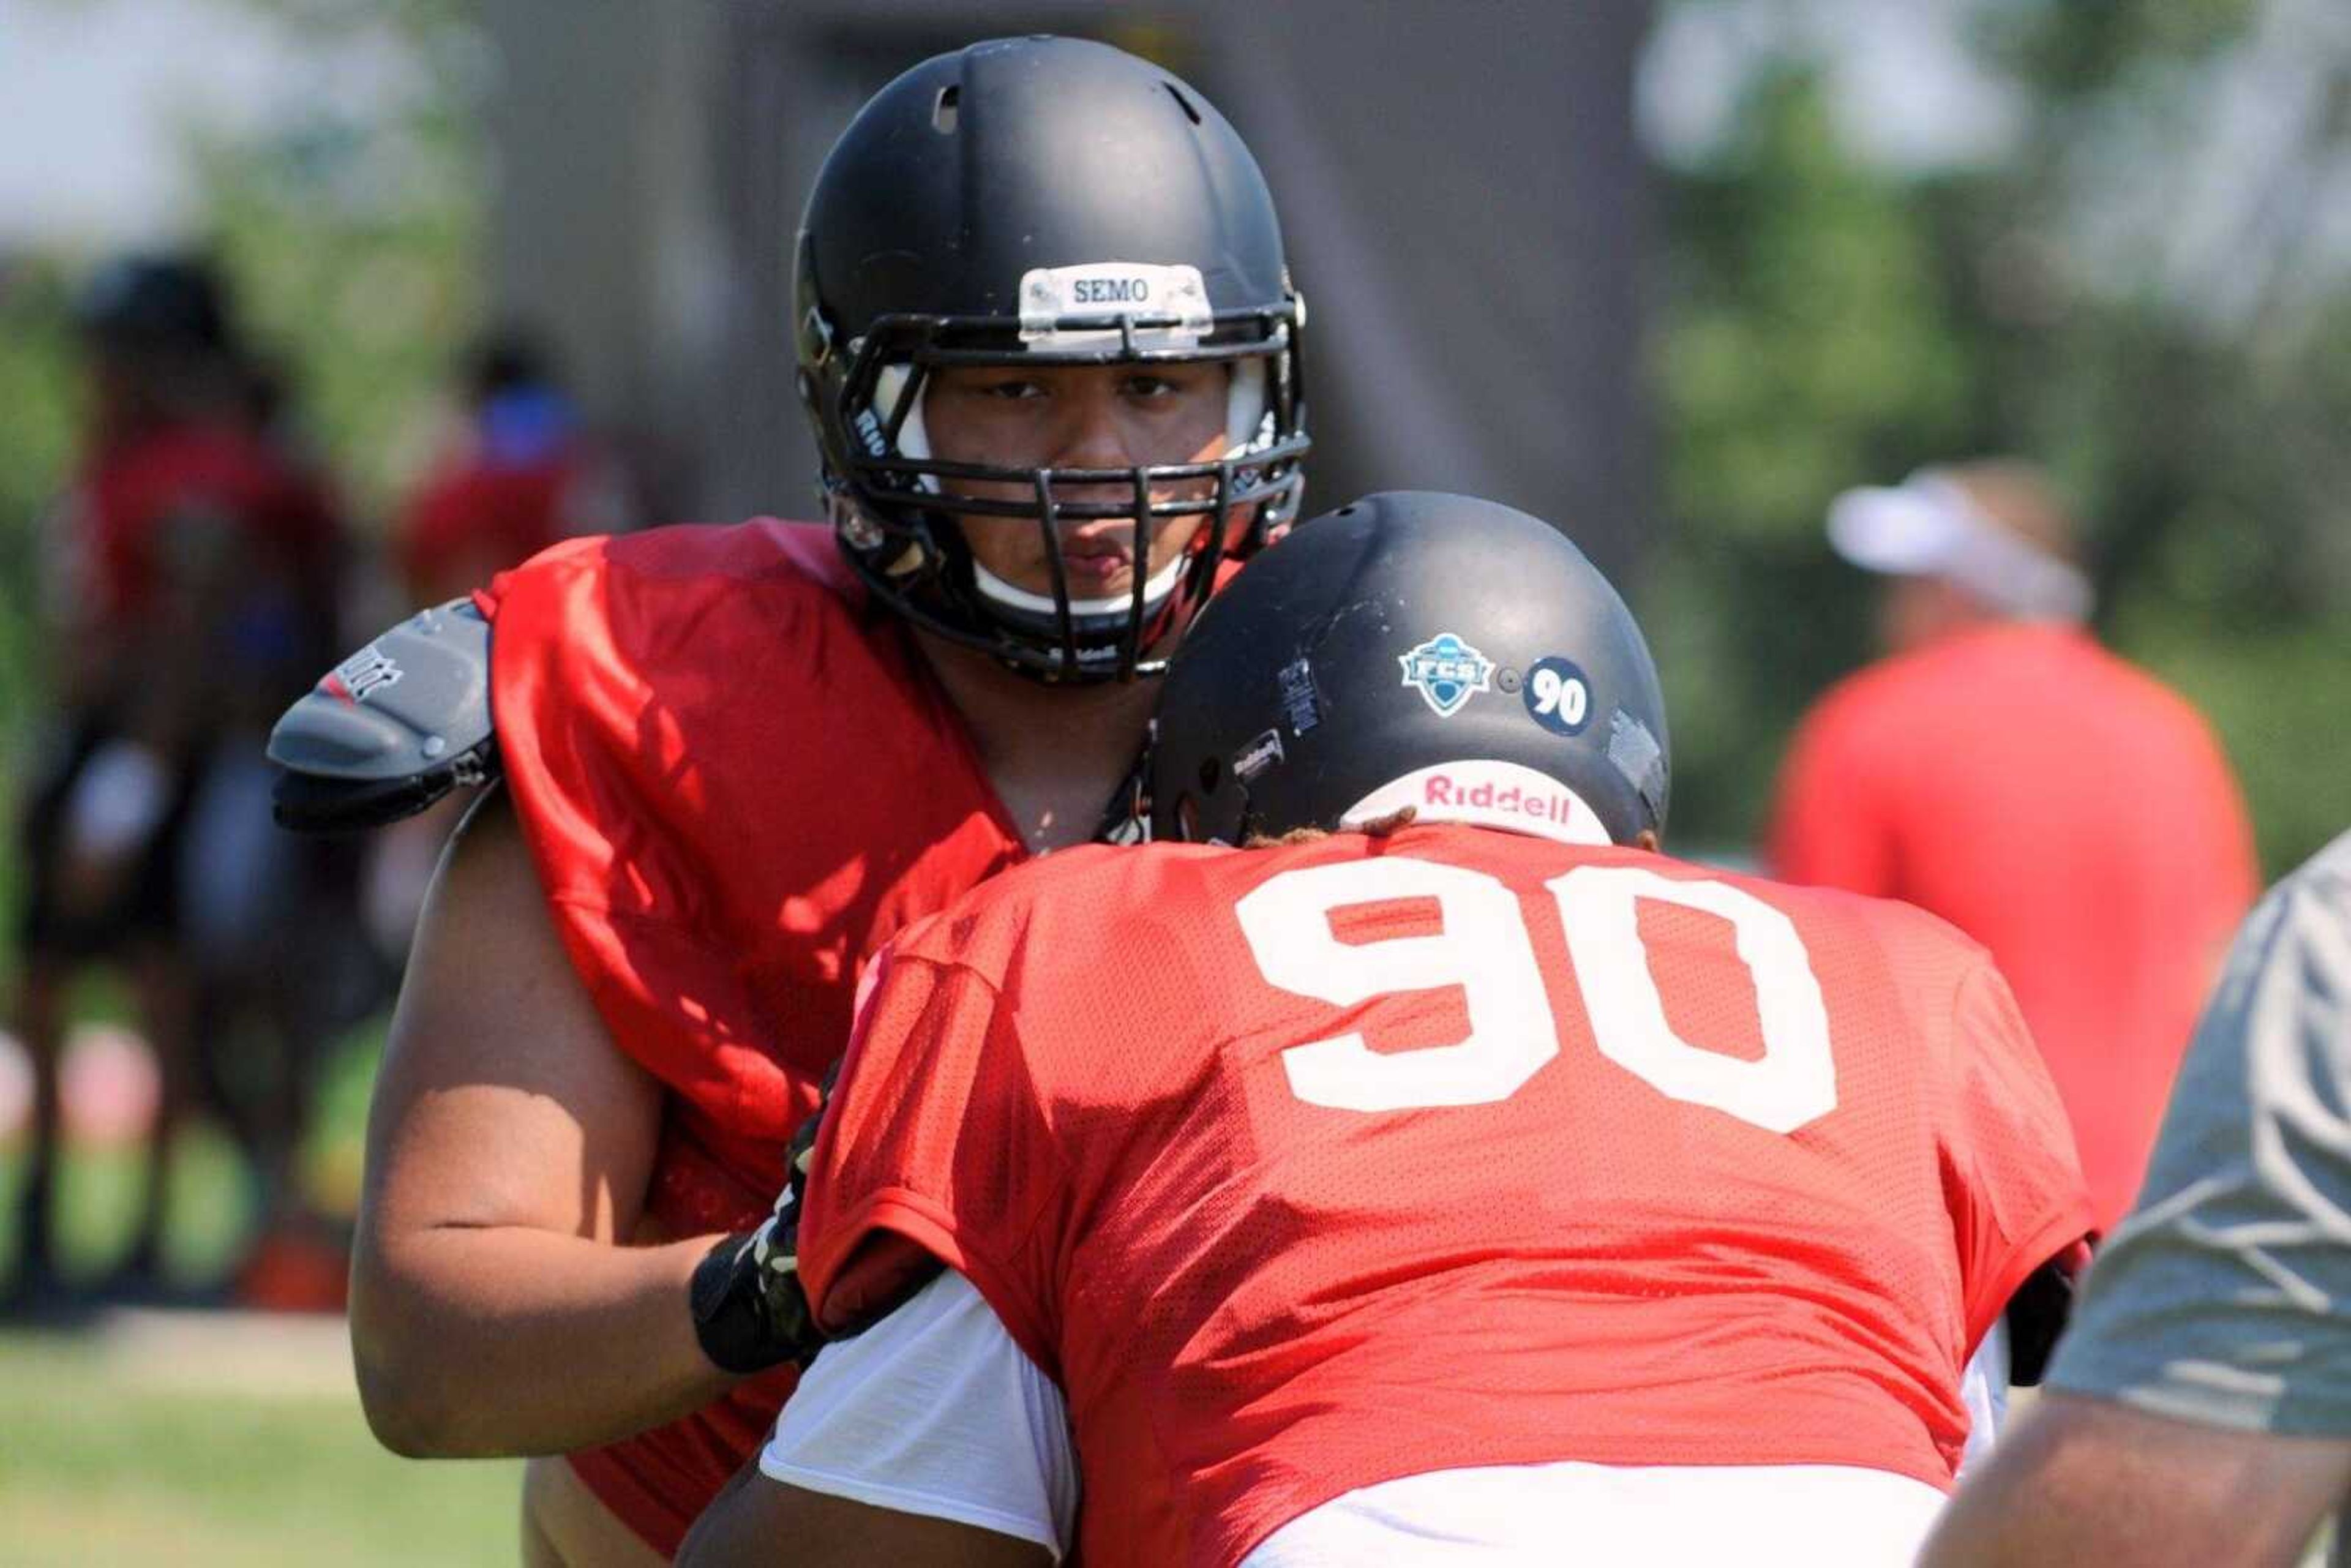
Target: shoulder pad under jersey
(391, 729)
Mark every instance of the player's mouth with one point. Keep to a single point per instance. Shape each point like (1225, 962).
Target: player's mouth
(1099, 557)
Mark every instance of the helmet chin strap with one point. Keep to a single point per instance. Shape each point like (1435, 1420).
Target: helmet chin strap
(1155, 590)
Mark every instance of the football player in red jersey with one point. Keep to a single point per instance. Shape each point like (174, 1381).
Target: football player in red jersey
(1443, 1176)
(194, 565)
(735, 759)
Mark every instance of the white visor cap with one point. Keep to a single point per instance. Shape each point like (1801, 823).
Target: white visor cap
(1927, 526)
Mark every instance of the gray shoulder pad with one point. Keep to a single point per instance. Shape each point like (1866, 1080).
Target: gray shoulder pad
(391, 729)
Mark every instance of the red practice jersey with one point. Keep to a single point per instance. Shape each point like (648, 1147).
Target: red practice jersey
(1302, 1169)
(736, 784)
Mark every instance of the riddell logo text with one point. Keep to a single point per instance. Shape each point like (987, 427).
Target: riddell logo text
(1441, 790)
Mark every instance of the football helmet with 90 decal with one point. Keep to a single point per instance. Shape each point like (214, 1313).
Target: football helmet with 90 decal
(1414, 648)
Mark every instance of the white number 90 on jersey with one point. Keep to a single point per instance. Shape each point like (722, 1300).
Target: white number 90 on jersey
(1485, 949)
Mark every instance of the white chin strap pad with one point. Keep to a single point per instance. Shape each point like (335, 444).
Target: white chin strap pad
(1155, 593)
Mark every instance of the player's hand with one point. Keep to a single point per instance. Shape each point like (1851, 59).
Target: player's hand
(749, 1311)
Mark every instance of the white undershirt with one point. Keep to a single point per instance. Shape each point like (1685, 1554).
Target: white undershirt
(1983, 1388)
(932, 1409)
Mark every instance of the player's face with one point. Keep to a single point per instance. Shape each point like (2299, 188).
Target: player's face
(1091, 416)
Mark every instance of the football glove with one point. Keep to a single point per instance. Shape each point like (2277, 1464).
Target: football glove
(749, 1311)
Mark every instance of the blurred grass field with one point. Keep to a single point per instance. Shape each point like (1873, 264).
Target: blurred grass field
(204, 1439)
(176, 1453)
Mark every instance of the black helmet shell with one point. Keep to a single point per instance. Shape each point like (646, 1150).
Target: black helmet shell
(1409, 632)
(975, 168)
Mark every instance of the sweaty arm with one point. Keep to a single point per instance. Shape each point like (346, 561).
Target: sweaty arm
(497, 1305)
(929, 1440)
(756, 1520)
(2200, 1409)
(2082, 1479)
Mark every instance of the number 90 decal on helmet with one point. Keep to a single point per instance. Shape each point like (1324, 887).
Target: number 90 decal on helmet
(1032, 208)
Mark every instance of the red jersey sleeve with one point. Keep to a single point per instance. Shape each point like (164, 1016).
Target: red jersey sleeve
(933, 1143)
(2018, 1197)
(1828, 827)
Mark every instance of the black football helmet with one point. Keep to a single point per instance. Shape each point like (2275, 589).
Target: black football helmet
(1418, 650)
(1041, 202)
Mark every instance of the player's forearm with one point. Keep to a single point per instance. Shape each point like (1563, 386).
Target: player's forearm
(474, 1342)
(2083, 1480)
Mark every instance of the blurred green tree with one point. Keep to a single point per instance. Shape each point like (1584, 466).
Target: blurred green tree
(1809, 336)
(36, 444)
(353, 227)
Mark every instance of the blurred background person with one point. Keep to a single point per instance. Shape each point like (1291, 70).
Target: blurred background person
(2199, 1413)
(1999, 768)
(193, 578)
(518, 473)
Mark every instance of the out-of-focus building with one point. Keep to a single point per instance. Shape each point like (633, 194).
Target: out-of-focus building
(1465, 198)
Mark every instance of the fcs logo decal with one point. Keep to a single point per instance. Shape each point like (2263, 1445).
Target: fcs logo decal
(1446, 672)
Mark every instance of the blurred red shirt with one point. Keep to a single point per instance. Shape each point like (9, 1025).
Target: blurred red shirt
(524, 478)
(2066, 811)
(473, 519)
(137, 491)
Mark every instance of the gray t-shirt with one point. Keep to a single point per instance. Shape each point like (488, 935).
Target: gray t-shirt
(2225, 1298)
